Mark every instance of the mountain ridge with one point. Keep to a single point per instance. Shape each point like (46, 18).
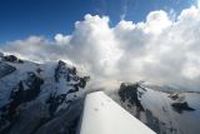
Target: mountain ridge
(48, 98)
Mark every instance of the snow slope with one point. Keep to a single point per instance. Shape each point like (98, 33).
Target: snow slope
(171, 112)
(34, 95)
(102, 115)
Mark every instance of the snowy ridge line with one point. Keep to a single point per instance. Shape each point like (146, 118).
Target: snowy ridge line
(159, 88)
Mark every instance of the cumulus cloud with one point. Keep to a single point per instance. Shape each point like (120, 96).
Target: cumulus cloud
(62, 39)
(160, 49)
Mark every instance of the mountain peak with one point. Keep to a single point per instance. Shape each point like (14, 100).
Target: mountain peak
(53, 87)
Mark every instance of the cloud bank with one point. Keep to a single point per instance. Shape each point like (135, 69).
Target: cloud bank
(160, 49)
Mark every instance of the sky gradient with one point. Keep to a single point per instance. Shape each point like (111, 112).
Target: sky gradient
(20, 19)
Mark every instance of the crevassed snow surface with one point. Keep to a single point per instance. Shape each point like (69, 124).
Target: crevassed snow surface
(104, 116)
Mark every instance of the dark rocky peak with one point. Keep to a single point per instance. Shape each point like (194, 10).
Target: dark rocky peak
(73, 82)
(130, 93)
(12, 58)
(61, 70)
(69, 74)
(37, 96)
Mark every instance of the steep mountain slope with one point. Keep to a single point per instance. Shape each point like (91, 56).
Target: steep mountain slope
(165, 111)
(48, 99)
(38, 98)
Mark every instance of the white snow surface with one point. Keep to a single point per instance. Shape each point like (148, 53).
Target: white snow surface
(163, 117)
(104, 116)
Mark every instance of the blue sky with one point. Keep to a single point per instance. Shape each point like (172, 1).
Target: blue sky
(22, 18)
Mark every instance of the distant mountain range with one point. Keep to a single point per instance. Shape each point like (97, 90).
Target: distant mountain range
(48, 98)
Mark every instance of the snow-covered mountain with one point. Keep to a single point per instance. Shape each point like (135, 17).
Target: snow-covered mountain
(165, 109)
(48, 99)
(39, 98)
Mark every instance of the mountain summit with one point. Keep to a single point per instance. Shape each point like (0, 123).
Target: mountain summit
(34, 96)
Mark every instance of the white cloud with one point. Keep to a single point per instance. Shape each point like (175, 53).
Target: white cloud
(159, 49)
(157, 21)
(61, 39)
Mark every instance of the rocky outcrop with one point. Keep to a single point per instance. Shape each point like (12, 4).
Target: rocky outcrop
(12, 58)
(65, 123)
(72, 81)
(130, 93)
(181, 106)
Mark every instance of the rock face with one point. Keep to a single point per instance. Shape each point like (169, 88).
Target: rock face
(11, 58)
(131, 94)
(166, 112)
(39, 98)
(182, 106)
(24, 92)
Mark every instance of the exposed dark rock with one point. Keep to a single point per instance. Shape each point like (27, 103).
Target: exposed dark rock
(65, 123)
(20, 95)
(59, 70)
(73, 90)
(6, 69)
(39, 70)
(72, 79)
(181, 106)
(12, 58)
(69, 74)
(174, 96)
(152, 121)
(158, 126)
(129, 92)
(54, 101)
(73, 70)
(29, 105)
(83, 81)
